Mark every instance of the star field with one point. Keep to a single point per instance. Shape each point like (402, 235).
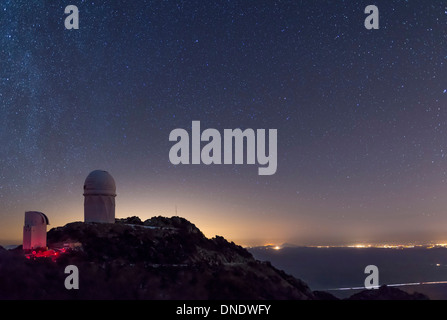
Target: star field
(360, 114)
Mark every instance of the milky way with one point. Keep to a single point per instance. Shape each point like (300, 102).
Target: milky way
(360, 114)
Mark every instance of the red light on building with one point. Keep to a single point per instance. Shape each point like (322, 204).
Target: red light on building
(51, 253)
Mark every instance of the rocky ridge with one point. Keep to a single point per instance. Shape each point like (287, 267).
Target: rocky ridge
(160, 258)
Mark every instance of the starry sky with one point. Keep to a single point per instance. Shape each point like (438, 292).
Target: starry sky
(361, 115)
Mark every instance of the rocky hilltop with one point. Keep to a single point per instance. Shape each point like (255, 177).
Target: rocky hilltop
(387, 293)
(160, 258)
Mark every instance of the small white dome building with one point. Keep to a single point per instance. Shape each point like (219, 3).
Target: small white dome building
(35, 230)
(99, 197)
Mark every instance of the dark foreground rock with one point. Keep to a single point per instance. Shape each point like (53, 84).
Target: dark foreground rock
(160, 258)
(387, 293)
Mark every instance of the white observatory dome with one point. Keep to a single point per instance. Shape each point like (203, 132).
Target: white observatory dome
(99, 197)
(99, 182)
(35, 230)
(36, 218)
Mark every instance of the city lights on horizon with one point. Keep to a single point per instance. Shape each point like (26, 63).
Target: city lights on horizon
(361, 246)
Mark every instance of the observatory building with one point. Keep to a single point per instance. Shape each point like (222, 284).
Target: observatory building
(35, 230)
(99, 197)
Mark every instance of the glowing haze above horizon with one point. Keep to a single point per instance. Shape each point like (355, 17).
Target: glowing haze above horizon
(361, 115)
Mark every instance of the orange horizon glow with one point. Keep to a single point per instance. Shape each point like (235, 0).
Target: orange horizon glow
(243, 222)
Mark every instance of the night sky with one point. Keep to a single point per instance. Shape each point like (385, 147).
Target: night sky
(361, 115)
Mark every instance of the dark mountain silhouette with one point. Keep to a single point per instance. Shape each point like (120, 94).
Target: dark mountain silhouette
(387, 293)
(160, 258)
